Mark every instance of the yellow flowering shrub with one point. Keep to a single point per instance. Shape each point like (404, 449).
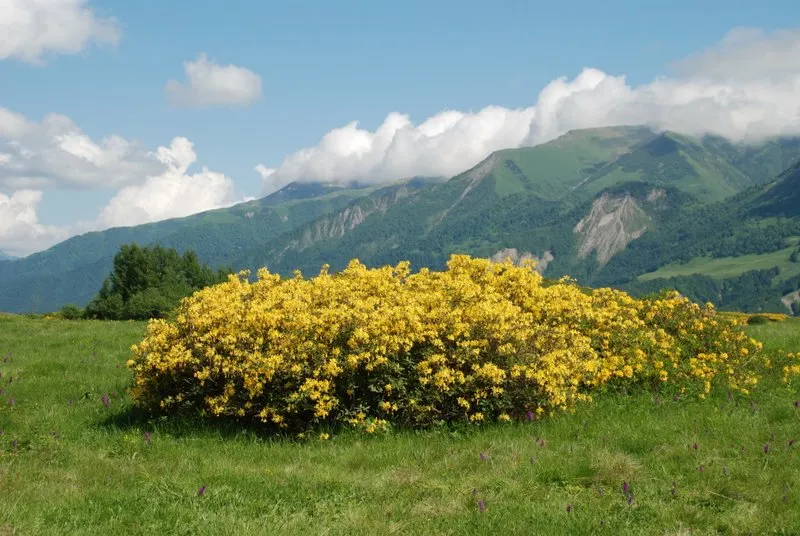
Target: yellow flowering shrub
(370, 348)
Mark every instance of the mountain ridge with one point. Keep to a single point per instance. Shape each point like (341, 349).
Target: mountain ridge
(530, 199)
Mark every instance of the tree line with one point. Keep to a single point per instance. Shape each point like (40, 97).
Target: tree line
(147, 282)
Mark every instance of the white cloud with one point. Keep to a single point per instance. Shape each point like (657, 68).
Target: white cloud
(172, 194)
(444, 144)
(29, 29)
(210, 84)
(56, 152)
(745, 88)
(747, 53)
(20, 230)
(152, 185)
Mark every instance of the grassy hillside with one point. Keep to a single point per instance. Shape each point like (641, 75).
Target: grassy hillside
(72, 464)
(723, 267)
(554, 169)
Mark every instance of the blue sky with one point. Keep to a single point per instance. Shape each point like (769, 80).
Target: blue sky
(324, 64)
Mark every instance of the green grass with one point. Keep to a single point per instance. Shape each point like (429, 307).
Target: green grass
(553, 169)
(81, 468)
(723, 267)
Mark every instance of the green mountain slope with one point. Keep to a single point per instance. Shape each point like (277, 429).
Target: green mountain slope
(710, 169)
(605, 205)
(603, 222)
(72, 271)
(532, 199)
(743, 253)
(554, 169)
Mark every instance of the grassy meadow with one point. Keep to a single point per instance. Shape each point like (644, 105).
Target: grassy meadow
(74, 459)
(722, 267)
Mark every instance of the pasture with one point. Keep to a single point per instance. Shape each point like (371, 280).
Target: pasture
(75, 459)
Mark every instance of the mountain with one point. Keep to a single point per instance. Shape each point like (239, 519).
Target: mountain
(537, 199)
(782, 197)
(72, 271)
(606, 205)
(6, 257)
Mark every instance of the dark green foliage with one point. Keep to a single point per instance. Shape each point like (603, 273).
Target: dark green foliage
(753, 291)
(149, 282)
(70, 312)
(782, 197)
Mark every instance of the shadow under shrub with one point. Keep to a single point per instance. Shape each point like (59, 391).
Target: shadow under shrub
(372, 348)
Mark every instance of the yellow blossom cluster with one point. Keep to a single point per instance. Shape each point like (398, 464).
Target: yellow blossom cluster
(371, 348)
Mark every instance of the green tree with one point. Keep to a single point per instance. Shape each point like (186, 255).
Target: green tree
(149, 282)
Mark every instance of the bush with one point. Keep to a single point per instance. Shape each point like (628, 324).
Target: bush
(477, 342)
(70, 312)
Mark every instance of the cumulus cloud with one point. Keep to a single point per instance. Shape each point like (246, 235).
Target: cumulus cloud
(747, 53)
(29, 29)
(20, 230)
(210, 84)
(172, 194)
(745, 88)
(56, 152)
(151, 185)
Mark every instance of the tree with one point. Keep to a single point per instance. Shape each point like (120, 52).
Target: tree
(149, 282)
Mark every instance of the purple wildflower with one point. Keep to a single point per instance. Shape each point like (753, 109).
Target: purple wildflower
(695, 446)
(481, 506)
(529, 415)
(766, 448)
(625, 487)
(483, 457)
(202, 490)
(147, 438)
(105, 400)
